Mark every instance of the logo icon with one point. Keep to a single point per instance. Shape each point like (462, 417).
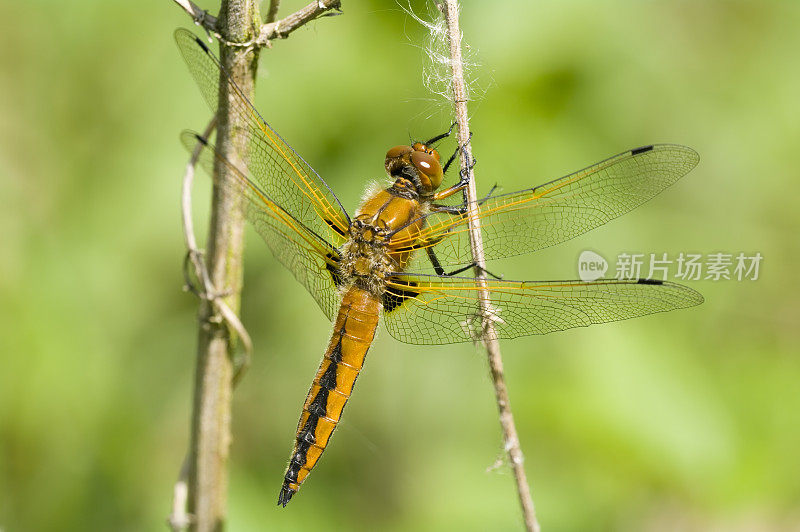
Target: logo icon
(591, 266)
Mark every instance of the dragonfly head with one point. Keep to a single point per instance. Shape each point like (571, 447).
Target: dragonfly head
(418, 163)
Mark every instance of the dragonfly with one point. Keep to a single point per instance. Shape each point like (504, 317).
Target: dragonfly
(405, 254)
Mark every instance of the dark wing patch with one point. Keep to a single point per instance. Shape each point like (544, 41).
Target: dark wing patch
(650, 281)
(643, 149)
(397, 293)
(332, 265)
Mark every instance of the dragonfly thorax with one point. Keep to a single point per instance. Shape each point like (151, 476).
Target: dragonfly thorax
(365, 258)
(369, 230)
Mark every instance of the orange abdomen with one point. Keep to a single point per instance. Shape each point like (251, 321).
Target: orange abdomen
(352, 335)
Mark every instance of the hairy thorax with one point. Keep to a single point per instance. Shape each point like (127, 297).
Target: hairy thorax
(368, 256)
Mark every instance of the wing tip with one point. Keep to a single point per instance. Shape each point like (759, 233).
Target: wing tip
(691, 297)
(191, 137)
(182, 33)
(642, 149)
(690, 153)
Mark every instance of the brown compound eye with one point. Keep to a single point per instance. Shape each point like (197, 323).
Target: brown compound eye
(398, 151)
(429, 168)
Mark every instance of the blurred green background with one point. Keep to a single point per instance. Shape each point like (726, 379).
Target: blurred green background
(681, 421)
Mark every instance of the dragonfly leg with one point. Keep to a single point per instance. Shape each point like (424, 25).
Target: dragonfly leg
(444, 135)
(455, 152)
(450, 161)
(449, 209)
(437, 266)
(465, 173)
(460, 209)
(473, 265)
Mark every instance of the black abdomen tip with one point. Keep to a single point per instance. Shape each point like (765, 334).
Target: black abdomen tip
(285, 495)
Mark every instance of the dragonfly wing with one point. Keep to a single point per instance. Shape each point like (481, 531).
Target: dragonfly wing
(312, 260)
(428, 309)
(275, 167)
(532, 219)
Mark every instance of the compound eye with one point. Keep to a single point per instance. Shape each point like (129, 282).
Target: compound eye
(429, 167)
(398, 151)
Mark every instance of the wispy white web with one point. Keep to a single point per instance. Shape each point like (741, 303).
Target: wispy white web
(436, 70)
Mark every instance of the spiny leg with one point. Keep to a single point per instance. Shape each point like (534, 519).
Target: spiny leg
(460, 209)
(464, 174)
(444, 135)
(437, 266)
(455, 152)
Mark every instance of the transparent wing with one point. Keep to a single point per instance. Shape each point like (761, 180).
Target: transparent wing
(423, 309)
(532, 219)
(275, 167)
(312, 260)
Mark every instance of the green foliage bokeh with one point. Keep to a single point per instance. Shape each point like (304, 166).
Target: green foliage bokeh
(683, 421)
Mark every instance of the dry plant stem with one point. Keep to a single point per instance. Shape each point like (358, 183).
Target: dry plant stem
(211, 416)
(272, 13)
(208, 291)
(266, 32)
(512, 446)
(200, 16)
(186, 193)
(200, 494)
(282, 28)
(179, 518)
